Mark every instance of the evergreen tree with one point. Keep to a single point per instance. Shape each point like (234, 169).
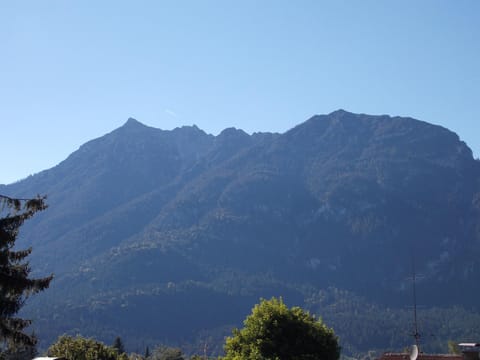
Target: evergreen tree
(118, 344)
(15, 283)
(19, 352)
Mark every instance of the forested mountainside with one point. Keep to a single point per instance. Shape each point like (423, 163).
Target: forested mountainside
(172, 236)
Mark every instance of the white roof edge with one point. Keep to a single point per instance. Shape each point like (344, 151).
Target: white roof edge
(469, 344)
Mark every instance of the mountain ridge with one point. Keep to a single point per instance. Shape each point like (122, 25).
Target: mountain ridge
(143, 218)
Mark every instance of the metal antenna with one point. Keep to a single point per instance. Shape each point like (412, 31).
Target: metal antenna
(416, 334)
(205, 348)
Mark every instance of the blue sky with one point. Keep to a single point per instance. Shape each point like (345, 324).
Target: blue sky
(71, 71)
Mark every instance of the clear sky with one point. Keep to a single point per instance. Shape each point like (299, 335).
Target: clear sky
(71, 71)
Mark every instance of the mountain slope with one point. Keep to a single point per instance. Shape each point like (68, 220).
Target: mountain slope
(185, 231)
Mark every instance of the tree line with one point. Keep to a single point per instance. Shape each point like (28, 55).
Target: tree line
(271, 331)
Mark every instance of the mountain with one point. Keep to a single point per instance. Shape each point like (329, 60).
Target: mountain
(172, 236)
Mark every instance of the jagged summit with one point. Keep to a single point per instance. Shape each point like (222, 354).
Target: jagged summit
(133, 122)
(190, 129)
(133, 126)
(194, 127)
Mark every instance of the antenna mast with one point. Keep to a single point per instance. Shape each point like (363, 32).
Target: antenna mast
(416, 334)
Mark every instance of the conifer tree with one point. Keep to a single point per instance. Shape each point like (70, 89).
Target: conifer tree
(118, 344)
(15, 283)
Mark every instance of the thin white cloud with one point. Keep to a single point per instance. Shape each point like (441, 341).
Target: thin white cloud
(171, 113)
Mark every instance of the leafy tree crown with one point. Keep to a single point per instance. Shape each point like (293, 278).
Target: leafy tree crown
(273, 331)
(80, 348)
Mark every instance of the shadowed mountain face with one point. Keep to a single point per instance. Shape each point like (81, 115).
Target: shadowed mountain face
(174, 235)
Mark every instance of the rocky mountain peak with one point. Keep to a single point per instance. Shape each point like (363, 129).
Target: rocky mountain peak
(132, 122)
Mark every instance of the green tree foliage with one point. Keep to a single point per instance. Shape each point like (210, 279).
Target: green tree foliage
(19, 352)
(15, 283)
(80, 348)
(166, 353)
(118, 345)
(273, 331)
(453, 348)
